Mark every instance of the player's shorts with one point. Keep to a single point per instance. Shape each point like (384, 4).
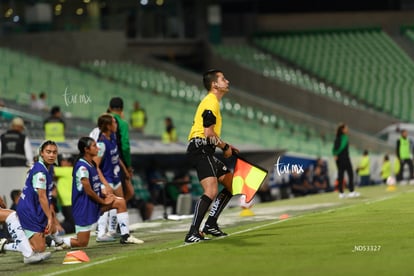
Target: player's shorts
(201, 156)
(113, 186)
(29, 233)
(85, 228)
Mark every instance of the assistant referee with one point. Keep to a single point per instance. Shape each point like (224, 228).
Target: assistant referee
(203, 139)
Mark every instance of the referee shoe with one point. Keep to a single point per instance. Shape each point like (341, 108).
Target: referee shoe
(195, 237)
(213, 230)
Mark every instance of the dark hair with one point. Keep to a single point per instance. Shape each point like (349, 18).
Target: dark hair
(209, 77)
(42, 146)
(168, 120)
(84, 142)
(340, 129)
(46, 143)
(55, 110)
(104, 121)
(170, 124)
(116, 103)
(14, 194)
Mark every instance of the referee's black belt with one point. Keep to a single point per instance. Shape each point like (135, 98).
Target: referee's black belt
(198, 141)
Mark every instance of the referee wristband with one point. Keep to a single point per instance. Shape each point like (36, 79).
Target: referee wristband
(226, 147)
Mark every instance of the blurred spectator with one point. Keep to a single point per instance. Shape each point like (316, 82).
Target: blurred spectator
(179, 185)
(320, 181)
(33, 101)
(170, 133)
(54, 126)
(385, 169)
(63, 175)
(144, 207)
(403, 152)
(156, 180)
(15, 147)
(324, 169)
(300, 184)
(141, 199)
(364, 169)
(15, 196)
(138, 118)
(40, 102)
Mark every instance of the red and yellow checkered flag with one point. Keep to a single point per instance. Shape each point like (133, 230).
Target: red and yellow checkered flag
(247, 178)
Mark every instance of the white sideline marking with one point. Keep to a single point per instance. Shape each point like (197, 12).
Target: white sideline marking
(232, 234)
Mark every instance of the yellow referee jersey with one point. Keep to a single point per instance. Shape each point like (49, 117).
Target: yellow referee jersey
(210, 102)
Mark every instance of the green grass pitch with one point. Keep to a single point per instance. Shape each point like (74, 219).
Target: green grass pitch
(369, 235)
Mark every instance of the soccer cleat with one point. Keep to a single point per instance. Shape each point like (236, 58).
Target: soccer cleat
(129, 239)
(37, 257)
(45, 255)
(194, 237)
(342, 195)
(61, 246)
(105, 238)
(353, 194)
(2, 244)
(213, 230)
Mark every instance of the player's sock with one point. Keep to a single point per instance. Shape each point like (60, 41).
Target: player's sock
(102, 222)
(112, 221)
(219, 203)
(57, 238)
(123, 220)
(200, 211)
(20, 242)
(66, 240)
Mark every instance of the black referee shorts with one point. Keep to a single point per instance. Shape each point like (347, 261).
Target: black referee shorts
(201, 157)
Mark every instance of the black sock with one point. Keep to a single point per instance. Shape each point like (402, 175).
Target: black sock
(221, 201)
(200, 211)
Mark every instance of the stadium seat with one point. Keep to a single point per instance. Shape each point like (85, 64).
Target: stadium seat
(359, 62)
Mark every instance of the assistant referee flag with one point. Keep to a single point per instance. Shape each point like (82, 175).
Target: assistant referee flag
(247, 178)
